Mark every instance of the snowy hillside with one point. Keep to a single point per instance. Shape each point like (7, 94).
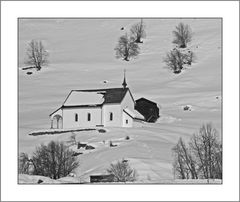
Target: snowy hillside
(82, 56)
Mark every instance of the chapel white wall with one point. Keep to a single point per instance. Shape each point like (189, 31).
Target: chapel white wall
(117, 115)
(69, 117)
(127, 120)
(127, 102)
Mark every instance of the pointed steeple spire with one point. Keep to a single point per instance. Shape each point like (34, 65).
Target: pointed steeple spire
(124, 84)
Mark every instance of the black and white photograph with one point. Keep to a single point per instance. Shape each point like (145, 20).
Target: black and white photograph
(120, 100)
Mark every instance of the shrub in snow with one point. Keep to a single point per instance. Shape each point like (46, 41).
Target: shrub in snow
(122, 172)
(182, 35)
(54, 160)
(201, 158)
(127, 138)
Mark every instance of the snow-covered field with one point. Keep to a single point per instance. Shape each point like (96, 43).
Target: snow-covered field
(82, 56)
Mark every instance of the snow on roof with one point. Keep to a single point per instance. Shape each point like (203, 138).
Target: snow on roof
(134, 114)
(84, 98)
(95, 97)
(111, 95)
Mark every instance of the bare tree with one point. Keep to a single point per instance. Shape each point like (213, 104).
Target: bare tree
(138, 31)
(122, 172)
(184, 162)
(183, 35)
(175, 60)
(208, 151)
(202, 158)
(218, 162)
(36, 54)
(23, 163)
(54, 160)
(126, 47)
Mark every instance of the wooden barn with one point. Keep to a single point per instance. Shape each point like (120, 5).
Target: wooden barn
(148, 109)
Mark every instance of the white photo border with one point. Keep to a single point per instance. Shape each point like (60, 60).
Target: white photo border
(12, 10)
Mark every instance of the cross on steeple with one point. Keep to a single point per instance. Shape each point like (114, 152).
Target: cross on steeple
(124, 84)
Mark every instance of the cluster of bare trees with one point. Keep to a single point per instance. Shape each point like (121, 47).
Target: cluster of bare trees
(122, 172)
(54, 160)
(127, 46)
(37, 56)
(201, 158)
(178, 57)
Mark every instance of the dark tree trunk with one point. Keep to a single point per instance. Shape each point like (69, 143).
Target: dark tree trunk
(38, 67)
(177, 71)
(138, 40)
(182, 46)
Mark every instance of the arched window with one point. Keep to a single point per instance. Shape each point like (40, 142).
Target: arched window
(126, 121)
(89, 117)
(111, 116)
(76, 117)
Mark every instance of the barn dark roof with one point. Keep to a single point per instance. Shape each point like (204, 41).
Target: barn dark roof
(144, 99)
(148, 109)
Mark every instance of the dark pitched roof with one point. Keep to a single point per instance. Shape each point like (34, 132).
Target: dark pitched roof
(110, 95)
(146, 100)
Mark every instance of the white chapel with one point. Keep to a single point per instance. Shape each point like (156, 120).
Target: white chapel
(111, 107)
